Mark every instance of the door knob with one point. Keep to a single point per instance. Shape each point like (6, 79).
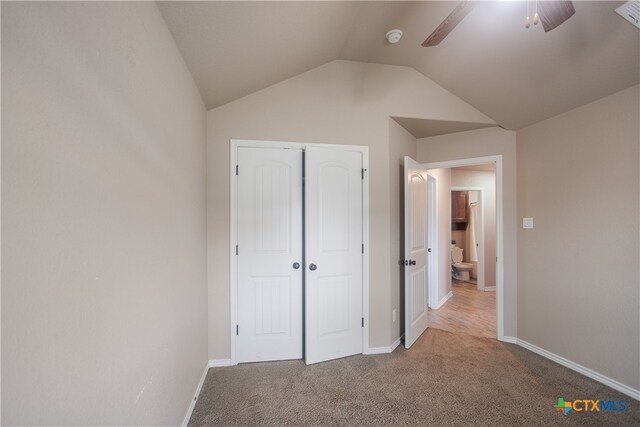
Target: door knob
(412, 262)
(312, 267)
(296, 265)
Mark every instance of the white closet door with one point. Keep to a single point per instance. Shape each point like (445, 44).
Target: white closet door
(415, 250)
(269, 215)
(333, 251)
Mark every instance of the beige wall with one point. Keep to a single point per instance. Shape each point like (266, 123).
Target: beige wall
(341, 102)
(487, 181)
(578, 274)
(103, 217)
(401, 143)
(478, 143)
(460, 236)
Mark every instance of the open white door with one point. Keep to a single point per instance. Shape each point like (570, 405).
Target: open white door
(415, 251)
(269, 254)
(333, 253)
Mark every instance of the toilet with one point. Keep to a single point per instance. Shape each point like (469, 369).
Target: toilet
(460, 269)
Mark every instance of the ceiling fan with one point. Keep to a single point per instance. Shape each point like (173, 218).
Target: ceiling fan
(552, 14)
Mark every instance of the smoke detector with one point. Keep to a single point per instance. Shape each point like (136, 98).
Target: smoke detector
(394, 36)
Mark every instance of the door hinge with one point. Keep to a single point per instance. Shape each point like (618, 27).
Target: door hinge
(236, 170)
(363, 248)
(237, 329)
(363, 322)
(236, 249)
(362, 171)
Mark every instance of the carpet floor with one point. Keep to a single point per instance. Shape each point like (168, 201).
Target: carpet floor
(444, 379)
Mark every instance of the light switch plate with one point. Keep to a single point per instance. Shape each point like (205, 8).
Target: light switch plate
(527, 222)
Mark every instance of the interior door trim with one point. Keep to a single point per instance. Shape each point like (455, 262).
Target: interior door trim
(233, 237)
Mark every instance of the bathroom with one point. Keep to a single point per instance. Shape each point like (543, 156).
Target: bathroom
(464, 235)
(473, 226)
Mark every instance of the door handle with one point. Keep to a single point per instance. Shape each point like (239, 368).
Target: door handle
(296, 265)
(312, 267)
(412, 262)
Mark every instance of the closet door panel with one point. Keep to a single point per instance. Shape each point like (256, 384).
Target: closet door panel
(269, 244)
(333, 236)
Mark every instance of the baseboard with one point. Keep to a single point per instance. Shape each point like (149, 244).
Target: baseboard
(489, 288)
(217, 363)
(443, 300)
(396, 343)
(616, 385)
(192, 405)
(384, 350)
(510, 340)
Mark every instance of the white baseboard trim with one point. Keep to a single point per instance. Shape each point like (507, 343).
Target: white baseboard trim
(217, 363)
(192, 405)
(443, 300)
(510, 340)
(616, 385)
(489, 288)
(384, 350)
(396, 343)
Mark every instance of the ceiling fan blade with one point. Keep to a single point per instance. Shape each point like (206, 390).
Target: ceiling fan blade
(554, 13)
(450, 22)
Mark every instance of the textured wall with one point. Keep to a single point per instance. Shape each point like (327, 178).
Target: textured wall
(103, 217)
(578, 268)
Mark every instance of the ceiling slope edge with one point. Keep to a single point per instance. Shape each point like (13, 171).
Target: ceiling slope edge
(400, 90)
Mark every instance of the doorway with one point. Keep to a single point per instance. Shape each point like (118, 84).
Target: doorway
(498, 298)
(299, 251)
(468, 234)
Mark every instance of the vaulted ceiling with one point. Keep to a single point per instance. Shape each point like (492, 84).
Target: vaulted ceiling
(514, 75)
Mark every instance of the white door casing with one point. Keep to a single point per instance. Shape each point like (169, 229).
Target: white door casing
(269, 218)
(416, 250)
(432, 239)
(334, 253)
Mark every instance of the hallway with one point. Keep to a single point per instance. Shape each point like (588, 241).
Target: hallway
(470, 311)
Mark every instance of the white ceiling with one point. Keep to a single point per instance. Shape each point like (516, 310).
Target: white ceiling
(514, 75)
(236, 48)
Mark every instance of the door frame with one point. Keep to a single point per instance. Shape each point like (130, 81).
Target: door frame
(497, 159)
(481, 269)
(233, 235)
(432, 227)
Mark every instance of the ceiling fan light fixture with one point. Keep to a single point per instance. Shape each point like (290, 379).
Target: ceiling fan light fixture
(536, 19)
(527, 23)
(394, 36)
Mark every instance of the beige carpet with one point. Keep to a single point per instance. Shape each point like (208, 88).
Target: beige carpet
(444, 379)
